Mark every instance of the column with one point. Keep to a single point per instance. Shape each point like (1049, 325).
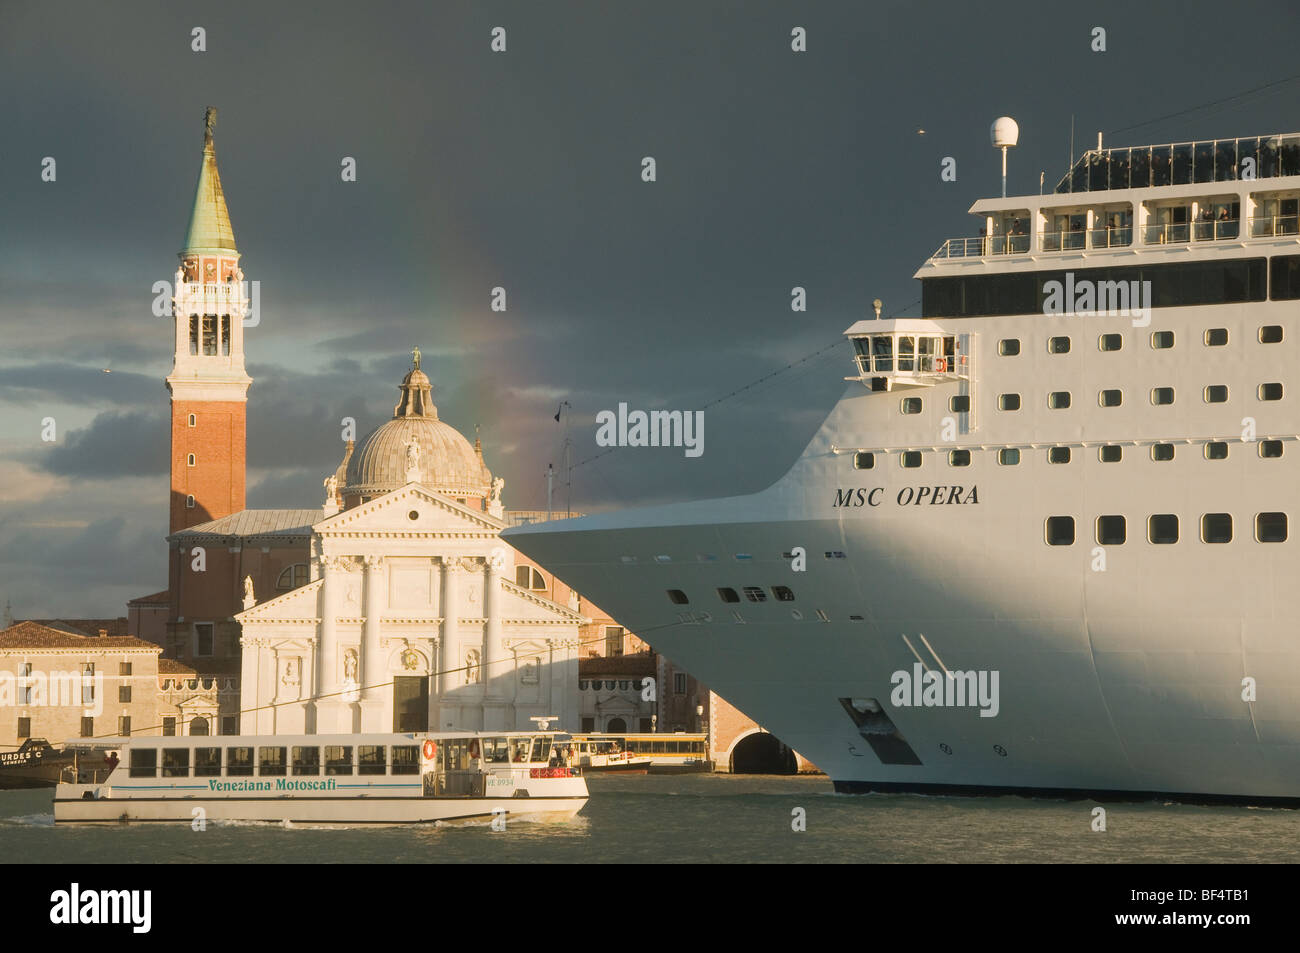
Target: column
(498, 676)
(449, 644)
(327, 648)
(376, 697)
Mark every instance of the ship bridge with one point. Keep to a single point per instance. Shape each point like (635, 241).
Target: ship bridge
(908, 352)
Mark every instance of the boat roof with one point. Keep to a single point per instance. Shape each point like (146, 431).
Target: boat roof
(372, 738)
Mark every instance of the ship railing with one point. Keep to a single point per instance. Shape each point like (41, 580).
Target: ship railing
(1110, 236)
(1265, 226)
(983, 246)
(905, 365)
(1065, 240)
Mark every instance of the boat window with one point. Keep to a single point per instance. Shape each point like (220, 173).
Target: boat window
(1162, 396)
(1270, 391)
(455, 754)
(1270, 334)
(1161, 340)
(372, 759)
(519, 748)
(864, 460)
(239, 762)
(1216, 337)
(496, 751)
(958, 458)
(755, 594)
(1111, 530)
(1058, 455)
(1162, 529)
(1160, 452)
(677, 597)
(1270, 527)
(1216, 393)
(1009, 347)
(175, 762)
(1216, 528)
(144, 762)
(1112, 453)
(1058, 399)
(1270, 449)
(541, 750)
(1060, 531)
(271, 761)
(911, 459)
(783, 593)
(1008, 401)
(882, 349)
(1216, 450)
(1110, 342)
(1058, 345)
(306, 760)
(1008, 456)
(959, 403)
(338, 759)
(207, 762)
(911, 405)
(406, 759)
(1112, 398)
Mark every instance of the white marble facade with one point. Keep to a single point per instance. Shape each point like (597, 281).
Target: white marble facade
(410, 593)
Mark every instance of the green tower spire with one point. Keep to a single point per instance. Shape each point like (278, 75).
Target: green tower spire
(209, 232)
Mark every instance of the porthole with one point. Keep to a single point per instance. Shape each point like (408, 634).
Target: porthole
(1270, 334)
(911, 459)
(1162, 339)
(1110, 342)
(1161, 452)
(1058, 454)
(1060, 531)
(1162, 529)
(1112, 398)
(1009, 456)
(1216, 450)
(1161, 396)
(1270, 391)
(1009, 347)
(959, 458)
(1058, 399)
(1111, 453)
(1008, 401)
(1216, 528)
(1216, 337)
(1058, 345)
(864, 461)
(911, 405)
(1216, 394)
(1270, 449)
(677, 597)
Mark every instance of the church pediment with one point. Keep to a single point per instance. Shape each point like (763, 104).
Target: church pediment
(298, 605)
(435, 515)
(520, 605)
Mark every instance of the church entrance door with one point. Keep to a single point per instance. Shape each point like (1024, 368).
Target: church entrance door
(411, 703)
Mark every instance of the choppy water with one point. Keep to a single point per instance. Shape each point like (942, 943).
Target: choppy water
(744, 819)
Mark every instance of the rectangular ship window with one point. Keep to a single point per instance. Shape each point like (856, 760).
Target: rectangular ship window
(879, 731)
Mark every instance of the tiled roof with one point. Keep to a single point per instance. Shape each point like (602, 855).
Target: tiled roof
(33, 635)
(638, 664)
(157, 598)
(111, 627)
(171, 666)
(285, 523)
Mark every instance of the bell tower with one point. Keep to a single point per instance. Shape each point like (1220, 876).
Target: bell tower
(208, 384)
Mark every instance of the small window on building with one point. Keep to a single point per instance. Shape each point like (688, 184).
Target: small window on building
(229, 725)
(1111, 453)
(1058, 399)
(679, 683)
(911, 405)
(527, 577)
(1112, 398)
(1160, 452)
(588, 724)
(1270, 334)
(199, 726)
(189, 502)
(1008, 401)
(614, 640)
(291, 577)
(1112, 530)
(1270, 391)
(1216, 394)
(677, 597)
(1060, 531)
(1162, 339)
(1162, 395)
(911, 459)
(189, 461)
(1111, 342)
(1216, 528)
(755, 594)
(24, 727)
(959, 458)
(1216, 450)
(727, 594)
(959, 403)
(169, 726)
(124, 694)
(203, 638)
(123, 668)
(783, 593)
(1270, 527)
(1008, 456)
(1216, 337)
(193, 421)
(1058, 454)
(1270, 449)
(1162, 529)
(1009, 347)
(1058, 345)
(864, 461)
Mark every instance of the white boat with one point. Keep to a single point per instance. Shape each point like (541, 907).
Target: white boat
(600, 755)
(1063, 490)
(330, 779)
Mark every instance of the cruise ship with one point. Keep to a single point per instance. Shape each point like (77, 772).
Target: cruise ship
(1041, 544)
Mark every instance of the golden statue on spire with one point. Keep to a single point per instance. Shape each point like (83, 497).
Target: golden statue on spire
(209, 121)
(415, 353)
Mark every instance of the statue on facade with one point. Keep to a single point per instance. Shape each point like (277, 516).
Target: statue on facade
(412, 461)
(351, 687)
(495, 506)
(473, 669)
(331, 488)
(249, 599)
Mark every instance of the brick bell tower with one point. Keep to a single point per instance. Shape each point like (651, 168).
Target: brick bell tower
(208, 384)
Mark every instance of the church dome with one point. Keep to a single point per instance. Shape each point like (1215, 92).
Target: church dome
(443, 458)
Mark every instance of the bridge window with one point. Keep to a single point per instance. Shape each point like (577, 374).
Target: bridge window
(1008, 401)
(1270, 527)
(1112, 530)
(959, 458)
(1009, 347)
(1216, 394)
(1161, 452)
(1060, 531)
(1270, 334)
(1112, 398)
(1270, 449)
(1009, 456)
(1216, 337)
(1216, 450)
(1162, 529)
(1216, 528)
(1111, 342)
(864, 460)
(1270, 391)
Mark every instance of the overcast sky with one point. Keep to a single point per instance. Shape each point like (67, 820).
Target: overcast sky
(522, 170)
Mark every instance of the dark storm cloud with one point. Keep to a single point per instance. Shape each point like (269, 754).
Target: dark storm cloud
(113, 445)
(57, 384)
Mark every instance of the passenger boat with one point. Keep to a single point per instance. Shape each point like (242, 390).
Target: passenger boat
(330, 779)
(594, 753)
(658, 753)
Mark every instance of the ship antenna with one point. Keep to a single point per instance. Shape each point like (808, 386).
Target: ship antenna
(1005, 134)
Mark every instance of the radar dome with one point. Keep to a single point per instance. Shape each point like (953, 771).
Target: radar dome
(1004, 132)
